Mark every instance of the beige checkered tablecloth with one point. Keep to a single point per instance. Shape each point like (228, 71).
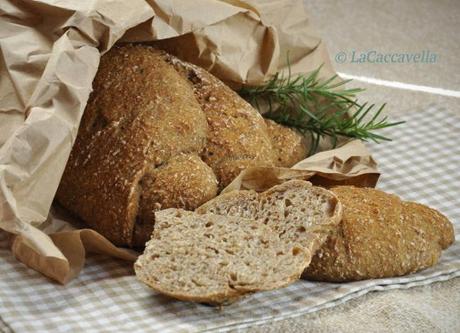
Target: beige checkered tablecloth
(421, 164)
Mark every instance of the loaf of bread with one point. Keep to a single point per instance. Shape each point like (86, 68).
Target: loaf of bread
(159, 133)
(380, 236)
(262, 242)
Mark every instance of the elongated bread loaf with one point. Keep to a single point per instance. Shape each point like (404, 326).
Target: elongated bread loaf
(380, 236)
(158, 133)
(238, 243)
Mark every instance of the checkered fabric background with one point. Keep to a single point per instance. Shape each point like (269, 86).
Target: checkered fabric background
(421, 164)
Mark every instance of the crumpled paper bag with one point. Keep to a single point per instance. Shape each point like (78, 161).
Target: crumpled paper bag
(50, 51)
(350, 164)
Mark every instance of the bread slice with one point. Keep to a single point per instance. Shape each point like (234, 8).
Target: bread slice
(380, 236)
(238, 243)
(215, 259)
(298, 211)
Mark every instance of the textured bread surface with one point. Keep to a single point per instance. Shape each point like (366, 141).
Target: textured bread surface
(290, 146)
(157, 133)
(216, 259)
(299, 212)
(184, 182)
(380, 236)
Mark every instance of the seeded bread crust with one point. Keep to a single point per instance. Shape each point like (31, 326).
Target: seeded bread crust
(216, 259)
(380, 236)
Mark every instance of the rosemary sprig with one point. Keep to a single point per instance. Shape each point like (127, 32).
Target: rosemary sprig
(318, 108)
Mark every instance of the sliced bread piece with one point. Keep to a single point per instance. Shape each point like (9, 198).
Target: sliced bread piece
(216, 259)
(298, 211)
(380, 236)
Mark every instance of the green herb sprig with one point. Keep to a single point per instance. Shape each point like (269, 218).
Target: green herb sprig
(318, 107)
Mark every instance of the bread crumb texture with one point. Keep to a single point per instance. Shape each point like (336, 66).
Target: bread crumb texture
(215, 259)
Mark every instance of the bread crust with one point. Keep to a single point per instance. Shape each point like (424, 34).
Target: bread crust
(380, 236)
(184, 182)
(289, 145)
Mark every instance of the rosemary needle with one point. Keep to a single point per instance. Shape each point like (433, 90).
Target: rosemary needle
(320, 108)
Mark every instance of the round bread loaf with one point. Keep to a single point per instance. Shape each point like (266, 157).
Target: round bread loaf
(159, 133)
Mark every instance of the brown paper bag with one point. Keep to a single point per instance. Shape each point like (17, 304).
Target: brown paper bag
(50, 54)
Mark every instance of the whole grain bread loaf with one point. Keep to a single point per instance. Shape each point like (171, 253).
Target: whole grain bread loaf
(380, 236)
(159, 133)
(239, 243)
